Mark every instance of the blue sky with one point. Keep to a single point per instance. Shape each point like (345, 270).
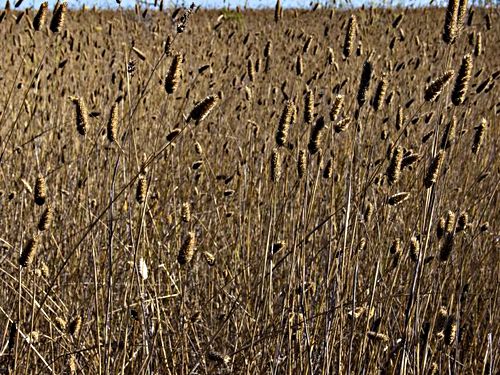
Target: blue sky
(218, 3)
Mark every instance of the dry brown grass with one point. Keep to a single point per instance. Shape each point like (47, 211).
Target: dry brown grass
(295, 214)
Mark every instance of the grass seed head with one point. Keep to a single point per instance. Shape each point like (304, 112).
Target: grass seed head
(29, 251)
(41, 16)
(57, 21)
(186, 252)
(433, 171)
(174, 74)
(433, 91)
(40, 193)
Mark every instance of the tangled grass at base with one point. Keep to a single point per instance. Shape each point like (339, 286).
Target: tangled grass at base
(297, 192)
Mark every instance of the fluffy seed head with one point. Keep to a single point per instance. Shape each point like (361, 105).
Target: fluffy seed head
(57, 21)
(440, 229)
(433, 171)
(342, 125)
(409, 160)
(203, 108)
(479, 45)
(449, 134)
(268, 49)
(380, 93)
(284, 124)
(336, 107)
(250, 69)
(112, 123)
(368, 212)
(316, 136)
(173, 134)
(40, 193)
(434, 89)
(140, 192)
(349, 36)
(400, 118)
(450, 22)
(29, 251)
(174, 74)
(414, 249)
(462, 81)
(447, 247)
(450, 222)
(81, 115)
(450, 332)
(186, 212)
(364, 83)
(46, 219)
(41, 16)
(478, 136)
(398, 198)
(308, 106)
(186, 251)
(275, 166)
(299, 65)
(394, 170)
(463, 221)
(301, 163)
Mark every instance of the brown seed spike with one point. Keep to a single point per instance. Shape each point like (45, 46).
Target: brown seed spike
(349, 36)
(140, 192)
(301, 164)
(394, 169)
(478, 136)
(380, 93)
(398, 198)
(81, 116)
(440, 229)
(364, 83)
(173, 134)
(46, 219)
(336, 107)
(203, 108)
(462, 81)
(433, 171)
(450, 331)
(434, 89)
(186, 251)
(275, 166)
(463, 221)
(450, 222)
(41, 16)
(450, 22)
(57, 21)
(174, 74)
(414, 249)
(308, 106)
(186, 212)
(29, 252)
(40, 193)
(316, 135)
(449, 134)
(284, 124)
(447, 247)
(112, 123)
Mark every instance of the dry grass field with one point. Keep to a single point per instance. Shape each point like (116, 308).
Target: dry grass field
(252, 192)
